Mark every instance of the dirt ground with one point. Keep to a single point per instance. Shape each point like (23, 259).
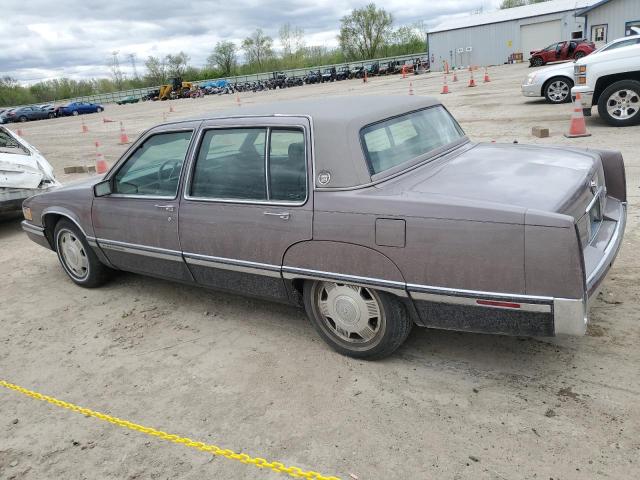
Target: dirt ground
(254, 377)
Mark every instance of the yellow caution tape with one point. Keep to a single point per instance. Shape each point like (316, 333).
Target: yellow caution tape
(187, 442)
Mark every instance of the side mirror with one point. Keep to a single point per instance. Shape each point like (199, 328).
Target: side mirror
(102, 189)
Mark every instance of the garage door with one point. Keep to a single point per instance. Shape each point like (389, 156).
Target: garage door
(539, 35)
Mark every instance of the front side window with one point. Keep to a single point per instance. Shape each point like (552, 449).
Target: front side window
(232, 164)
(397, 140)
(154, 167)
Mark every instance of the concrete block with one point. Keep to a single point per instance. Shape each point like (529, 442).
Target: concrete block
(540, 132)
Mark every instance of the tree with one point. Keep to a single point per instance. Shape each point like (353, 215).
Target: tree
(292, 40)
(156, 70)
(364, 31)
(224, 58)
(518, 3)
(258, 47)
(177, 64)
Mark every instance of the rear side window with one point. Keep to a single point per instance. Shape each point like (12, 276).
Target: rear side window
(397, 140)
(235, 164)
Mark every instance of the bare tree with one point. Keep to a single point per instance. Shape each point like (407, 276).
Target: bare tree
(258, 47)
(156, 70)
(177, 64)
(364, 31)
(223, 57)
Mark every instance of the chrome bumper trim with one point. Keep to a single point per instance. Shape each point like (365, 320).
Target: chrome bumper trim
(33, 229)
(144, 250)
(472, 302)
(610, 252)
(570, 316)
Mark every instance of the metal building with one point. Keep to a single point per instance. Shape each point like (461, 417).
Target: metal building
(610, 19)
(490, 38)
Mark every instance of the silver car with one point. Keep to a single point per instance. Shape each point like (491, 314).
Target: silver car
(554, 83)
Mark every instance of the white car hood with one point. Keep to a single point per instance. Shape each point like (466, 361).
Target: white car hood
(21, 170)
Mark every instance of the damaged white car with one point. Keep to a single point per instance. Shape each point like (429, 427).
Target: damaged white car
(23, 171)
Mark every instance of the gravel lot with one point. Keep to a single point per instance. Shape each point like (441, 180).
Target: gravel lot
(254, 377)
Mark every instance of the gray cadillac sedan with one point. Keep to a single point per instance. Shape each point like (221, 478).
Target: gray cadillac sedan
(374, 213)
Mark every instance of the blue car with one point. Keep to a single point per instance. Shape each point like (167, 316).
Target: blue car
(78, 108)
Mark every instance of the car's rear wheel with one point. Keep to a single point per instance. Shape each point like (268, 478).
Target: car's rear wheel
(23, 119)
(99, 109)
(558, 90)
(77, 258)
(537, 62)
(619, 104)
(51, 115)
(357, 321)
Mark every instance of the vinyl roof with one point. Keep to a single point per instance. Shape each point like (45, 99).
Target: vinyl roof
(533, 10)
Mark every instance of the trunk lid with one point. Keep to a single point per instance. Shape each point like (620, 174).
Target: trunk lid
(550, 179)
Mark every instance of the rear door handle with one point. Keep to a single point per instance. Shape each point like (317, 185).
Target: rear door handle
(167, 208)
(282, 215)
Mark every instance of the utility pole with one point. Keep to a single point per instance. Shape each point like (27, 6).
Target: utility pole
(132, 60)
(116, 72)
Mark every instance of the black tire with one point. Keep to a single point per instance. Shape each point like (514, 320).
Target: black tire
(626, 91)
(393, 324)
(552, 92)
(537, 62)
(99, 109)
(75, 113)
(51, 115)
(96, 273)
(23, 119)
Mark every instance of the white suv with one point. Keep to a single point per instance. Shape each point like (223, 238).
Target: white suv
(610, 79)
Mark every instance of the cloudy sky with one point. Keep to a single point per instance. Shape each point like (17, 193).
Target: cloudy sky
(41, 39)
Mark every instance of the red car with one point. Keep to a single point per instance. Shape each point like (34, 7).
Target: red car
(557, 52)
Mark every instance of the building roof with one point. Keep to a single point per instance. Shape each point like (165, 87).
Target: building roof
(508, 14)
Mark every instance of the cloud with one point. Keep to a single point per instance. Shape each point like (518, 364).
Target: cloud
(76, 38)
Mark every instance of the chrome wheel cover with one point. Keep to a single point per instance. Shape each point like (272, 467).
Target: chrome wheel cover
(558, 91)
(623, 104)
(73, 255)
(352, 314)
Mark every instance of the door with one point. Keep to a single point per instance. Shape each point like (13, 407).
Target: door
(246, 201)
(137, 224)
(599, 34)
(537, 36)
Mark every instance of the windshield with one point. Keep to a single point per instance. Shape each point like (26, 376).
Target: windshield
(397, 140)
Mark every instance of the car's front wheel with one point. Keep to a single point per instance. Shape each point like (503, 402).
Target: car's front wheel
(76, 257)
(537, 62)
(619, 104)
(357, 321)
(558, 90)
(23, 119)
(75, 113)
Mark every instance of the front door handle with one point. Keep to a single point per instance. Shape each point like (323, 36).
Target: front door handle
(167, 208)
(282, 215)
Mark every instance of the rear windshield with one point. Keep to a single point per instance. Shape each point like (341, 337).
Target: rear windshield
(397, 140)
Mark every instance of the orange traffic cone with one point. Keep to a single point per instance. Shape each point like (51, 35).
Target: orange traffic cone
(364, 79)
(445, 87)
(455, 76)
(446, 69)
(410, 88)
(472, 82)
(101, 163)
(404, 71)
(107, 120)
(486, 75)
(577, 127)
(124, 139)
(85, 129)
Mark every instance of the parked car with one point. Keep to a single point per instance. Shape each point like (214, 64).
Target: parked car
(24, 114)
(553, 83)
(129, 99)
(3, 115)
(561, 51)
(78, 108)
(23, 171)
(313, 77)
(343, 73)
(610, 80)
(357, 72)
(50, 108)
(372, 212)
(329, 75)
